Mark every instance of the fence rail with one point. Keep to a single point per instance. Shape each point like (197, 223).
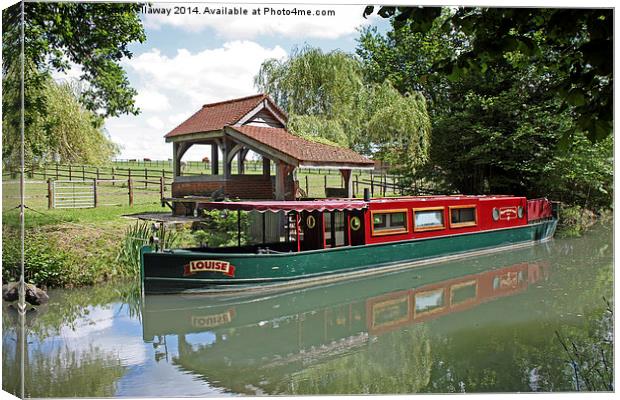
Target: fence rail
(148, 177)
(79, 193)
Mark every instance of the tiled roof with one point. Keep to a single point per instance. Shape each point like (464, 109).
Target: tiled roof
(301, 149)
(215, 116)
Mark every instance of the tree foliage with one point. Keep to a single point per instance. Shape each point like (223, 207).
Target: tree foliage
(500, 125)
(580, 39)
(328, 97)
(94, 36)
(66, 131)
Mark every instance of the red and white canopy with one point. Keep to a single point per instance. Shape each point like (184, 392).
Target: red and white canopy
(286, 206)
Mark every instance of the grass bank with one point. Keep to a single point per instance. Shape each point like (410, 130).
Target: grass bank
(68, 248)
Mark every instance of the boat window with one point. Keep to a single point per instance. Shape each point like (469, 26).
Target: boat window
(389, 222)
(430, 301)
(462, 216)
(463, 292)
(426, 219)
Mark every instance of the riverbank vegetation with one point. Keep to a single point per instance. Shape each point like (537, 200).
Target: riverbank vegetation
(518, 102)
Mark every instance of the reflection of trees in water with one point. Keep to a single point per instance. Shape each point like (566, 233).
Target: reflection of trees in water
(527, 355)
(583, 276)
(63, 372)
(395, 362)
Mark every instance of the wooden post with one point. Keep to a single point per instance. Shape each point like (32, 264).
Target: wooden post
(113, 178)
(346, 180)
(241, 162)
(162, 188)
(56, 171)
(384, 185)
(129, 186)
(146, 178)
(372, 185)
(266, 166)
(215, 162)
(83, 174)
(50, 194)
(69, 171)
(227, 164)
(95, 198)
(281, 172)
(97, 173)
(325, 184)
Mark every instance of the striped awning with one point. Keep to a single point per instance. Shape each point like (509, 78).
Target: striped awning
(286, 206)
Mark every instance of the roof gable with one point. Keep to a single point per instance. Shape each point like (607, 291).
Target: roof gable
(303, 151)
(214, 116)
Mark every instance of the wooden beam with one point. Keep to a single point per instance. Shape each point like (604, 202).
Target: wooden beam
(320, 165)
(233, 151)
(196, 136)
(261, 148)
(265, 104)
(178, 150)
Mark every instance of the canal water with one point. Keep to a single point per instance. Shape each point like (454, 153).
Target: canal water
(534, 319)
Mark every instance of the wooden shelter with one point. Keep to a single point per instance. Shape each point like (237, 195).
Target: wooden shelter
(234, 127)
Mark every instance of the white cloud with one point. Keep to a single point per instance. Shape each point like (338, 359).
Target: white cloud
(279, 20)
(155, 123)
(173, 88)
(209, 75)
(73, 73)
(151, 100)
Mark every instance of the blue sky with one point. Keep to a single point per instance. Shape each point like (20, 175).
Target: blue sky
(190, 60)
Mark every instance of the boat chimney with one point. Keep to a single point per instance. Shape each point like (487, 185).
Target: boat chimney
(366, 194)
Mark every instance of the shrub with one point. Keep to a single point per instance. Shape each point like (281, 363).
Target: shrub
(44, 263)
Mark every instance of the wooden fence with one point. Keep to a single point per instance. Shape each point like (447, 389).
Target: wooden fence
(149, 177)
(79, 193)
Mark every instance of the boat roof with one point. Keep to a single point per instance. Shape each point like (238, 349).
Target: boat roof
(333, 204)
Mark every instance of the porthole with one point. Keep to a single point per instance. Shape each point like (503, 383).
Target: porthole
(495, 214)
(356, 223)
(310, 222)
(520, 212)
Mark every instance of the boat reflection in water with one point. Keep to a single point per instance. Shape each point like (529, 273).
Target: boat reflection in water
(251, 345)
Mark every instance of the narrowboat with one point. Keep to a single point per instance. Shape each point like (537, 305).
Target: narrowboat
(339, 239)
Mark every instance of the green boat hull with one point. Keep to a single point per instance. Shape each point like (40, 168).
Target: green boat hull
(167, 271)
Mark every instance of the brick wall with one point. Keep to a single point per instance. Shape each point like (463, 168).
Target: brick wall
(242, 186)
(255, 187)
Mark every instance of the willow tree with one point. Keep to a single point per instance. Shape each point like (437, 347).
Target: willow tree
(67, 131)
(327, 98)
